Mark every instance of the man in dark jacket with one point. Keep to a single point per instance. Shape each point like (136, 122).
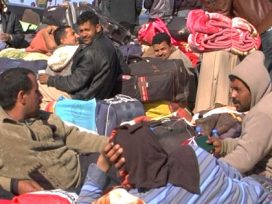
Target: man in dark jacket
(11, 32)
(95, 64)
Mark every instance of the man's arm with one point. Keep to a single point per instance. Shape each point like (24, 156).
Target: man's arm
(84, 142)
(253, 145)
(228, 145)
(48, 37)
(80, 141)
(97, 179)
(81, 76)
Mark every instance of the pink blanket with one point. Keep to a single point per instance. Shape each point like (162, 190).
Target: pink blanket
(213, 31)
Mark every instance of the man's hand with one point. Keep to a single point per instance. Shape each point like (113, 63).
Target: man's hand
(112, 154)
(43, 78)
(217, 144)
(50, 29)
(5, 37)
(26, 186)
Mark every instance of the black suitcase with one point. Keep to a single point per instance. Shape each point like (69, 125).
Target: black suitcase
(177, 28)
(154, 79)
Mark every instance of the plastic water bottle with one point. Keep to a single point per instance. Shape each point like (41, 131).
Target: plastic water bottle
(199, 131)
(215, 133)
(2, 43)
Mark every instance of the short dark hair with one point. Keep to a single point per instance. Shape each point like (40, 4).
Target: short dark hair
(161, 37)
(60, 33)
(12, 81)
(88, 16)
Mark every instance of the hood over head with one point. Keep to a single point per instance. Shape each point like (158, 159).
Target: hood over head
(254, 74)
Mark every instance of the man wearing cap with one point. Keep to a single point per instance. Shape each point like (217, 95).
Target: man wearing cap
(251, 153)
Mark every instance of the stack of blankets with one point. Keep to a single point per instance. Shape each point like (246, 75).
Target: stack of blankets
(214, 31)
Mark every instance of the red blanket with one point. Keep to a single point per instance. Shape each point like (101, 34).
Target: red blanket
(213, 31)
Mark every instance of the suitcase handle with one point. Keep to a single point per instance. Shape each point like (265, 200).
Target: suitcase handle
(119, 98)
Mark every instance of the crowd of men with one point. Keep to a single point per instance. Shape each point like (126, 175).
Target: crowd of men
(39, 151)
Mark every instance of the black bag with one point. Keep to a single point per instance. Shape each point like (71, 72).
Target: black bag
(171, 132)
(154, 79)
(177, 28)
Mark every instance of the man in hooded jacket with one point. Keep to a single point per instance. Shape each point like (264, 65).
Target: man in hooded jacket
(251, 91)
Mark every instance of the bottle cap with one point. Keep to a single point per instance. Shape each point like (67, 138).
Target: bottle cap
(198, 129)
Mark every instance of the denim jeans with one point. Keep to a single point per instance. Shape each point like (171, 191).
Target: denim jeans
(267, 49)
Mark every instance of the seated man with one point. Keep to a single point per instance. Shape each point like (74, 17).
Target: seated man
(37, 149)
(60, 62)
(251, 91)
(187, 175)
(11, 32)
(162, 48)
(95, 65)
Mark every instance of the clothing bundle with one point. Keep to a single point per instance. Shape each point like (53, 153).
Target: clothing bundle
(214, 31)
(148, 165)
(148, 30)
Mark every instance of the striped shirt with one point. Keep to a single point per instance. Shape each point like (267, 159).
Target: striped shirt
(219, 183)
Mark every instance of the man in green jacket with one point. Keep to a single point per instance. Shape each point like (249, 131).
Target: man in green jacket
(37, 150)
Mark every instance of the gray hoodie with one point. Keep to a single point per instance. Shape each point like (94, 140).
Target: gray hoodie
(252, 151)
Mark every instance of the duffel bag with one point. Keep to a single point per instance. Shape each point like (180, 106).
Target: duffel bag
(154, 79)
(110, 113)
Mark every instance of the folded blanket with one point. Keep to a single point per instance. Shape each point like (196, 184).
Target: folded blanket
(214, 31)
